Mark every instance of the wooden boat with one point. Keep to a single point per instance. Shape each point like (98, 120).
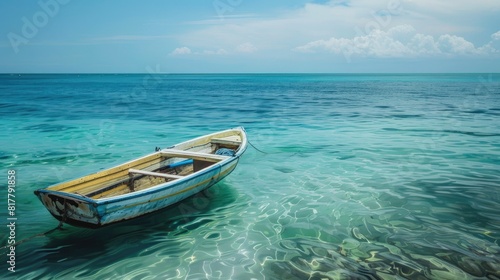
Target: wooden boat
(146, 184)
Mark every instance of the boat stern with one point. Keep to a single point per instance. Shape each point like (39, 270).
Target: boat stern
(71, 209)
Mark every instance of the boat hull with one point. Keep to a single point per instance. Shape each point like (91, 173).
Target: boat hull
(83, 211)
(86, 212)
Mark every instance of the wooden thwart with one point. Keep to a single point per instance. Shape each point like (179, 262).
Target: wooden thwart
(233, 141)
(193, 155)
(149, 173)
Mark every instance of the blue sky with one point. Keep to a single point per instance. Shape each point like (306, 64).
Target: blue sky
(241, 36)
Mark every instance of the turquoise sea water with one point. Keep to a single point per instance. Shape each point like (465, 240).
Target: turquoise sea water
(364, 176)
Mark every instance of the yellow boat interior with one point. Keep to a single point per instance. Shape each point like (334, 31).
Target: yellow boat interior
(157, 168)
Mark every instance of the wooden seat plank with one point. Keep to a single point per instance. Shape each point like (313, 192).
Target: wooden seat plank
(193, 155)
(226, 141)
(149, 173)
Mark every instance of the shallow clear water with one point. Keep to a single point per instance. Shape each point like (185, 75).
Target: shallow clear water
(363, 176)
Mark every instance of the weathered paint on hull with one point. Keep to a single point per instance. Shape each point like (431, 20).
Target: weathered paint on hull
(86, 212)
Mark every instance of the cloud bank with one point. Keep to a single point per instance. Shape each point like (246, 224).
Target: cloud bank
(400, 41)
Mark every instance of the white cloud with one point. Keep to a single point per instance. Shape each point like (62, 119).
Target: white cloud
(452, 44)
(423, 45)
(496, 36)
(399, 41)
(246, 48)
(181, 51)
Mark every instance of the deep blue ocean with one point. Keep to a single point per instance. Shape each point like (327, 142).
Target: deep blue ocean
(360, 176)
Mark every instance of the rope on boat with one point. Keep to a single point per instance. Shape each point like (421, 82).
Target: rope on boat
(256, 147)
